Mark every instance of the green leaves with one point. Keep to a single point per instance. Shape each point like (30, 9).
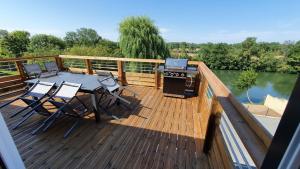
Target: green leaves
(140, 38)
(42, 41)
(246, 79)
(16, 42)
(82, 37)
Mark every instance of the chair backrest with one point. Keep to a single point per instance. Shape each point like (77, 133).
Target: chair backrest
(67, 90)
(51, 67)
(103, 73)
(39, 89)
(32, 69)
(108, 82)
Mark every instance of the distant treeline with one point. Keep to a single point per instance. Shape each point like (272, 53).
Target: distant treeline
(249, 54)
(83, 41)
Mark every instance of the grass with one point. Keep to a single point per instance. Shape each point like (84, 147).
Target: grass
(4, 72)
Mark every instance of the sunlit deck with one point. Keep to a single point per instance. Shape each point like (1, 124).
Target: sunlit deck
(160, 132)
(212, 130)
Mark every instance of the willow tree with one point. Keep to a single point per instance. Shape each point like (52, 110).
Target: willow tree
(140, 38)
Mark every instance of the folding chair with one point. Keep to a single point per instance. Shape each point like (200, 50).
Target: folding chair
(32, 70)
(33, 96)
(110, 87)
(51, 67)
(66, 93)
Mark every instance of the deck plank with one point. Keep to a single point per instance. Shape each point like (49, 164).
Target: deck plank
(163, 132)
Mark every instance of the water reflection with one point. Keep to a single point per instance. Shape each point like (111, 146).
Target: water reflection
(275, 84)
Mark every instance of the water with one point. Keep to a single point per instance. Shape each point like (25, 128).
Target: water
(275, 84)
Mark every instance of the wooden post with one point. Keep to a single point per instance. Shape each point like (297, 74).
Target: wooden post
(20, 69)
(88, 66)
(203, 85)
(121, 72)
(213, 123)
(157, 76)
(59, 63)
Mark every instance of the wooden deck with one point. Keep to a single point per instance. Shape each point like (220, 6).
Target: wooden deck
(161, 132)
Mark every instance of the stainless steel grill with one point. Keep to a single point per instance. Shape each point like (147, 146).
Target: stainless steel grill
(177, 77)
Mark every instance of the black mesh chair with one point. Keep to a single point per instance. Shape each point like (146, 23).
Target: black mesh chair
(51, 67)
(112, 91)
(32, 70)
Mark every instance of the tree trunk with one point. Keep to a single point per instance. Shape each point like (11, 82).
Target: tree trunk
(249, 97)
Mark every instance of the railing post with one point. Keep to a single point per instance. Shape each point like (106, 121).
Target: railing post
(203, 85)
(121, 72)
(88, 66)
(213, 123)
(20, 70)
(59, 62)
(157, 76)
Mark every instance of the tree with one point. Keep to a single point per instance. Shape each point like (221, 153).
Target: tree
(249, 52)
(42, 41)
(245, 80)
(82, 37)
(3, 33)
(16, 42)
(140, 38)
(293, 57)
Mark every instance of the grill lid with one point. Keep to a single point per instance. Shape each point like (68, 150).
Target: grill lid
(172, 63)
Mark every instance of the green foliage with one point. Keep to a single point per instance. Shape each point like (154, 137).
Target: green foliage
(263, 56)
(45, 45)
(216, 56)
(293, 57)
(82, 37)
(140, 38)
(16, 42)
(103, 48)
(246, 79)
(3, 33)
(42, 41)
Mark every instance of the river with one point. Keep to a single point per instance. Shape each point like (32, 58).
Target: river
(275, 84)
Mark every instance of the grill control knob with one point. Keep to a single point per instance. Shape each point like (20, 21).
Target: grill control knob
(176, 74)
(172, 74)
(182, 75)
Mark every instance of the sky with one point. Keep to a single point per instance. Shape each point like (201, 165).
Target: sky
(197, 21)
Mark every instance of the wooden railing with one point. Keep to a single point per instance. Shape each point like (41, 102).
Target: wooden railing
(214, 99)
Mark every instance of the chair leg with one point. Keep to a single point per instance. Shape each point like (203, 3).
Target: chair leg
(51, 123)
(20, 111)
(44, 123)
(72, 128)
(24, 119)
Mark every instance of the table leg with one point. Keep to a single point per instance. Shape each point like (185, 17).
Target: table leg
(96, 109)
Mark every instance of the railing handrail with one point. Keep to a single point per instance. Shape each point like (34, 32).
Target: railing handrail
(120, 59)
(24, 58)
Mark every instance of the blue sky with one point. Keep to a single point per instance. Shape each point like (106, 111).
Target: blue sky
(178, 20)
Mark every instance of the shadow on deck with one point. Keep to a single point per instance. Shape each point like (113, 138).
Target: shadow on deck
(161, 132)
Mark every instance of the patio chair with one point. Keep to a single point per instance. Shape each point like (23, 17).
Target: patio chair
(62, 99)
(32, 70)
(110, 86)
(51, 67)
(32, 96)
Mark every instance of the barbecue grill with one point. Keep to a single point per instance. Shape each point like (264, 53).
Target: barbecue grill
(178, 77)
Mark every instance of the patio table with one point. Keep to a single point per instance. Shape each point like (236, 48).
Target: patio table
(89, 85)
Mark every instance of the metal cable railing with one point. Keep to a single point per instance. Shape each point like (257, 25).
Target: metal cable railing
(8, 69)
